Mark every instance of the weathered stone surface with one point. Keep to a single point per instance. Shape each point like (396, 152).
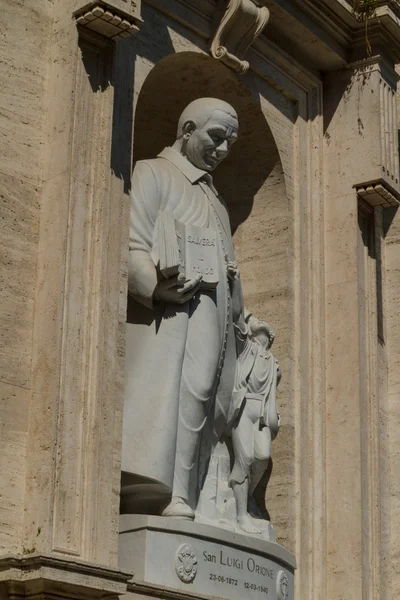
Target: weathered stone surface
(46, 577)
(22, 115)
(14, 403)
(19, 229)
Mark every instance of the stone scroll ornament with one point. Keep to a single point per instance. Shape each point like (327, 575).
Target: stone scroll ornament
(241, 24)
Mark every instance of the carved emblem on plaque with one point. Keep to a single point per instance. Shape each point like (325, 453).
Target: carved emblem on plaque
(186, 563)
(282, 586)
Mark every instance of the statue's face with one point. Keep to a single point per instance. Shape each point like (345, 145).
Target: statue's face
(262, 338)
(259, 331)
(208, 145)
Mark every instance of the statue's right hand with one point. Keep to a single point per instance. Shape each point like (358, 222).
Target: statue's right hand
(232, 269)
(177, 290)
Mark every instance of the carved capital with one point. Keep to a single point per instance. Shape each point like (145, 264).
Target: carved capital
(241, 24)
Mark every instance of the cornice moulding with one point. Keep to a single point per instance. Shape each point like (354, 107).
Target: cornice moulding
(328, 27)
(36, 574)
(338, 17)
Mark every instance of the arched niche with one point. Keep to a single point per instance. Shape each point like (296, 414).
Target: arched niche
(252, 182)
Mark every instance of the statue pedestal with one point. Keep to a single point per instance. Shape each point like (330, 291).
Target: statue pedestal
(183, 557)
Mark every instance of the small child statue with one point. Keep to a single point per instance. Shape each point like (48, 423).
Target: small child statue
(253, 412)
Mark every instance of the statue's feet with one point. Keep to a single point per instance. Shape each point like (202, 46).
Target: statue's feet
(261, 524)
(179, 509)
(246, 523)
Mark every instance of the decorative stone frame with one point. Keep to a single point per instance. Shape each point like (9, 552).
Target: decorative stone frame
(284, 78)
(308, 360)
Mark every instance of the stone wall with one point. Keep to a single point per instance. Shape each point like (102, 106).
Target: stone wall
(360, 369)
(24, 51)
(63, 210)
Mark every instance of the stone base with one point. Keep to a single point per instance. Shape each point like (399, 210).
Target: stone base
(181, 558)
(48, 577)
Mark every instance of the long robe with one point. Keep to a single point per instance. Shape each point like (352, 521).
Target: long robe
(156, 338)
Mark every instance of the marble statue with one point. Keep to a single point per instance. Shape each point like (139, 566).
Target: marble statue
(181, 350)
(240, 459)
(254, 414)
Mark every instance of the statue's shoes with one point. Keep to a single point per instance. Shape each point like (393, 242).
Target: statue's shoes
(261, 524)
(179, 509)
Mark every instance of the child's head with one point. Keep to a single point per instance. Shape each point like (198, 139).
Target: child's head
(261, 331)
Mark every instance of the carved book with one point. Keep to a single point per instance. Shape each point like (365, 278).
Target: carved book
(187, 249)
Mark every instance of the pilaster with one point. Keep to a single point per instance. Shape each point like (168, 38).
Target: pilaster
(69, 533)
(361, 180)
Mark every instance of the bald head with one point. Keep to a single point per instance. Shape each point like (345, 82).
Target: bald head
(201, 110)
(207, 128)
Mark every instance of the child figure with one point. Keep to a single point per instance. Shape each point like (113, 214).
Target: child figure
(253, 412)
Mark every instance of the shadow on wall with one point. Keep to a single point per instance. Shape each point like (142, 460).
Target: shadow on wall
(123, 80)
(170, 86)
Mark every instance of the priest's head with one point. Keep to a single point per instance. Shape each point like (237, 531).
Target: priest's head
(207, 129)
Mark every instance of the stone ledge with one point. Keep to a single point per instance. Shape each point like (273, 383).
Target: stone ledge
(135, 523)
(44, 576)
(166, 593)
(378, 193)
(106, 20)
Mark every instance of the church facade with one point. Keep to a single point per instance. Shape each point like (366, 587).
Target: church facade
(312, 188)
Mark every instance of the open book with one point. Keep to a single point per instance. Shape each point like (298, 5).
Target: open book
(187, 249)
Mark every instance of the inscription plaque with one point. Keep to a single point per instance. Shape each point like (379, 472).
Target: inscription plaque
(205, 560)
